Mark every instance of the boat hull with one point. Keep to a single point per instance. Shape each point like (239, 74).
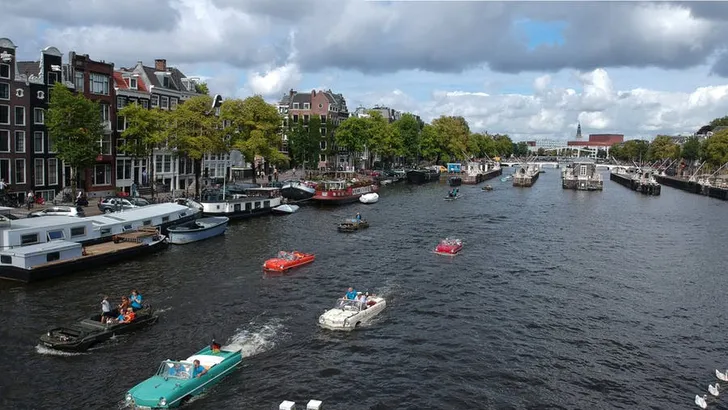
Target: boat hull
(418, 176)
(297, 192)
(218, 226)
(236, 210)
(448, 250)
(341, 321)
(370, 198)
(285, 209)
(353, 226)
(102, 333)
(279, 265)
(344, 196)
(455, 181)
(80, 264)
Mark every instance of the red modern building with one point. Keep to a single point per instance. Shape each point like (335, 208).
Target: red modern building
(598, 140)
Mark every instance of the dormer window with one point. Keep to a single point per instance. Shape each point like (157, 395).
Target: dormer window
(165, 82)
(133, 83)
(295, 106)
(306, 106)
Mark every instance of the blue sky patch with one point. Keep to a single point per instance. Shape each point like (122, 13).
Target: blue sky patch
(537, 33)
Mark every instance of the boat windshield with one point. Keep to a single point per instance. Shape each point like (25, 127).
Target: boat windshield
(451, 242)
(348, 304)
(286, 255)
(175, 370)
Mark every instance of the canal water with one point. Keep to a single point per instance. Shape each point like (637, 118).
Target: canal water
(560, 299)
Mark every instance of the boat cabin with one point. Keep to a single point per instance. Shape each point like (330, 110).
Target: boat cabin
(337, 185)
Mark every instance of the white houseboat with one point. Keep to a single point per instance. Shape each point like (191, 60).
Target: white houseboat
(255, 201)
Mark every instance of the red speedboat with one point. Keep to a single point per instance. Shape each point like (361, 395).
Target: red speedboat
(288, 260)
(449, 246)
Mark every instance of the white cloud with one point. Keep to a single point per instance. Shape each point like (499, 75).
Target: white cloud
(275, 82)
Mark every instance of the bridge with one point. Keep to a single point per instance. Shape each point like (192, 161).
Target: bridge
(559, 164)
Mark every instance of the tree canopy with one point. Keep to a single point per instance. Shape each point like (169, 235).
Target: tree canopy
(74, 129)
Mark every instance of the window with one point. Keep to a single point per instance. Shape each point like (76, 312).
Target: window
(6, 259)
(323, 131)
(5, 114)
(50, 144)
(39, 172)
(145, 104)
(120, 123)
(29, 238)
(127, 227)
(52, 77)
(52, 171)
(133, 83)
(41, 95)
(5, 71)
(306, 106)
(295, 106)
(19, 141)
(123, 169)
(105, 231)
(167, 163)
(105, 113)
(5, 170)
(147, 222)
(165, 219)
(38, 116)
(4, 141)
(295, 118)
(120, 102)
(38, 142)
(20, 171)
(99, 83)
(19, 115)
(155, 101)
(582, 171)
(323, 119)
(19, 92)
(4, 91)
(78, 231)
(323, 145)
(53, 256)
(102, 174)
(172, 103)
(52, 235)
(165, 103)
(165, 82)
(305, 118)
(78, 81)
(321, 105)
(105, 144)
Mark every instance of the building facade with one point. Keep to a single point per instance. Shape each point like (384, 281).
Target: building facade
(94, 80)
(168, 87)
(14, 125)
(299, 108)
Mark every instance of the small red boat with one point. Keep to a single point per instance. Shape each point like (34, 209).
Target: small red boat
(449, 246)
(288, 260)
(341, 192)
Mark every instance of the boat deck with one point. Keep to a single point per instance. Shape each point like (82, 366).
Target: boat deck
(108, 247)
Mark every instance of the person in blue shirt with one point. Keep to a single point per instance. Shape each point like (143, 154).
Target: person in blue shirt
(178, 371)
(358, 217)
(197, 369)
(351, 294)
(136, 300)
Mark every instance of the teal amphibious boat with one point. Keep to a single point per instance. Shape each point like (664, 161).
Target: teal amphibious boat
(174, 384)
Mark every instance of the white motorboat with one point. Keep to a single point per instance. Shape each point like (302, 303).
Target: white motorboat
(349, 314)
(285, 209)
(369, 198)
(197, 230)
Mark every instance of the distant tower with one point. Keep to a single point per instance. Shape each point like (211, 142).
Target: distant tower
(578, 131)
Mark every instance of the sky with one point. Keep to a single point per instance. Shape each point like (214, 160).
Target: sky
(527, 69)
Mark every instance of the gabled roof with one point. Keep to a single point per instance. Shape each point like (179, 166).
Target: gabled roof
(122, 83)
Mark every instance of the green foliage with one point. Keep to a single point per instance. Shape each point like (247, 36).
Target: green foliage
(662, 147)
(691, 149)
(632, 150)
(305, 142)
(715, 148)
(353, 134)
(520, 149)
(144, 130)
(201, 88)
(720, 122)
(503, 145)
(74, 128)
(193, 132)
(385, 139)
(452, 137)
(254, 128)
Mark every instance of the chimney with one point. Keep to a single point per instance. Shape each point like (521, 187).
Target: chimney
(160, 64)
(313, 93)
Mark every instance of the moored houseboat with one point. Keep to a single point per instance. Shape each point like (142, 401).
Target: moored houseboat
(255, 201)
(342, 192)
(298, 190)
(636, 179)
(421, 176)
(582, 176)
(58, 257)
(525, 176)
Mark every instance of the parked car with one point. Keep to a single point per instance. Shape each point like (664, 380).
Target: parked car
(59, 211)
(112, 204)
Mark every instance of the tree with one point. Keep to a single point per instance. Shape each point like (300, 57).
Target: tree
(503, 145)
(541, 152)
(601, 153)
(194, 133)
(255, 125)
(74, 128)
(691, 149)
(719, 122)
(409, 133)
(201, 88)
(384, 138)
(520, 149)
(144, 130)
(662, 147)
(635, 150)
(716, 148)
(430, 149)
(353, 134)
(452, 136)
(305, 142)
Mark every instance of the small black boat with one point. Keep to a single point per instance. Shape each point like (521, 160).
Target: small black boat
(81, 336)
(455, 181)
(352, 225)
(421, 176)
(297, 191)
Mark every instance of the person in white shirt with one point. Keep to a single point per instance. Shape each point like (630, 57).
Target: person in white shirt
(106, 310)
(363, 300)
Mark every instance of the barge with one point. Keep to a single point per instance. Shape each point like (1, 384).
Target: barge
(636, 180)
(582, 176)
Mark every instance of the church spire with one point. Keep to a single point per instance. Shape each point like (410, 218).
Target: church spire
(578, 130)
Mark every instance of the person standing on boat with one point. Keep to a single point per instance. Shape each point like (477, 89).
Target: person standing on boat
(358, 217)
(136, 300)
(106, 310)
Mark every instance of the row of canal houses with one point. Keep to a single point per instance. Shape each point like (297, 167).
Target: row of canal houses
(27, 158)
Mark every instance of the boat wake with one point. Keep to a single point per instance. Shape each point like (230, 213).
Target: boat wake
(256, 338)
(163, 310)
(53, 352)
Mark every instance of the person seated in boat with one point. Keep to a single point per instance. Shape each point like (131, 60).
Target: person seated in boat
(197, 369)
(350, 294)
(178, 371)
(125, 304)
(362, 298)
(126, 317)
(135, 299)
